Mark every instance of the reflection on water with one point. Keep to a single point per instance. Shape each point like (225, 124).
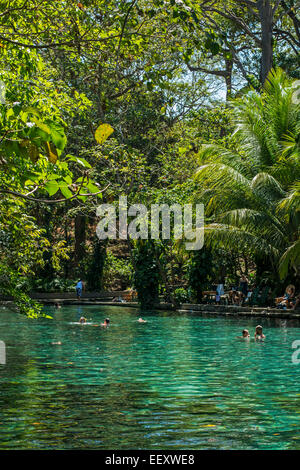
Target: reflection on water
(175, 382)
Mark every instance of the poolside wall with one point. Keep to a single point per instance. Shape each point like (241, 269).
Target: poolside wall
(104, 298)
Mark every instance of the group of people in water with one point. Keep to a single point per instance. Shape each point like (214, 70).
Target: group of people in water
(106, 322)
(258, 335)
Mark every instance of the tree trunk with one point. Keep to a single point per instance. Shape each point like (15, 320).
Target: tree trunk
(80, 236)
(266, 20)
(228, 78)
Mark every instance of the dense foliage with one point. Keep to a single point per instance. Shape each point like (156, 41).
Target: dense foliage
(164, 102)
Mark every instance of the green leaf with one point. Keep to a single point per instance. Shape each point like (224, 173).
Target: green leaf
(79, 160)
(82, 198)
(9, 113)
(92, 188)
(52, 187)
(31, 110)
(65, 190)
(41, 125)
(58, 137)
(68, 179)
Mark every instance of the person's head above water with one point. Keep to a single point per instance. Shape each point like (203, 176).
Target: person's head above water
(82, 320)
(245, 333)
(259, 332)
(106, 321)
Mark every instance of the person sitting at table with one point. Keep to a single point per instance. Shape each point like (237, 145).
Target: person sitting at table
(234, 297)
(288, 298)
(243, 289)
(296, 305)
(247, 299)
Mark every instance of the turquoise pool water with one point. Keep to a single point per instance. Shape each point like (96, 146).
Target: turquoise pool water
(175, 382)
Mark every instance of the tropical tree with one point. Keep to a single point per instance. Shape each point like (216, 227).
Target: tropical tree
(34, 170)
(251, 187)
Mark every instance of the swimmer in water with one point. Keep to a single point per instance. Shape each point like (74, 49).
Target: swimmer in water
(245, 335)
(140, 320)
(106, 322)
(259, 333)
(82, 320)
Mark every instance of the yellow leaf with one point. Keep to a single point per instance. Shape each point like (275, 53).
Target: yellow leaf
(103, 132)
(33, 153)
(51, 152)
(32, 150)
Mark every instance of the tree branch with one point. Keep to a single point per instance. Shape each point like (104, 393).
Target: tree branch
(122, 31)
(50, 201)
(55, 44)
(230, 16)
(219, 73)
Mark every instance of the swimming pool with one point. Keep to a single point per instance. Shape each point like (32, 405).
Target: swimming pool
(176, 382)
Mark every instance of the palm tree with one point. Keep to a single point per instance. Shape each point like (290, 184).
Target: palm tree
(251, 189)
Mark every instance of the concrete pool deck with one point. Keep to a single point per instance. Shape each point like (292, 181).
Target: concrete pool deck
(232, 310)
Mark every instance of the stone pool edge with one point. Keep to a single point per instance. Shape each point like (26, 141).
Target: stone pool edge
(221, 310)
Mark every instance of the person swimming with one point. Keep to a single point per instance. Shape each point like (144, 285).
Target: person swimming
(245, 334)
(106, 322)
(82, 320)
(259, 333)
(140, 320)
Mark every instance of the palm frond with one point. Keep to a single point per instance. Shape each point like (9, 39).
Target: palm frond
(259, 223)
(290, 258)
(265, 186)
(227, 236)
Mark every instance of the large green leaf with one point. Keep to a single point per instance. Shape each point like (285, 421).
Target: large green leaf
(65, 190)
(58, 136)
(52, 187)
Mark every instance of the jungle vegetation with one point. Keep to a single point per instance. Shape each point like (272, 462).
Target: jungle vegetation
(164, 101)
